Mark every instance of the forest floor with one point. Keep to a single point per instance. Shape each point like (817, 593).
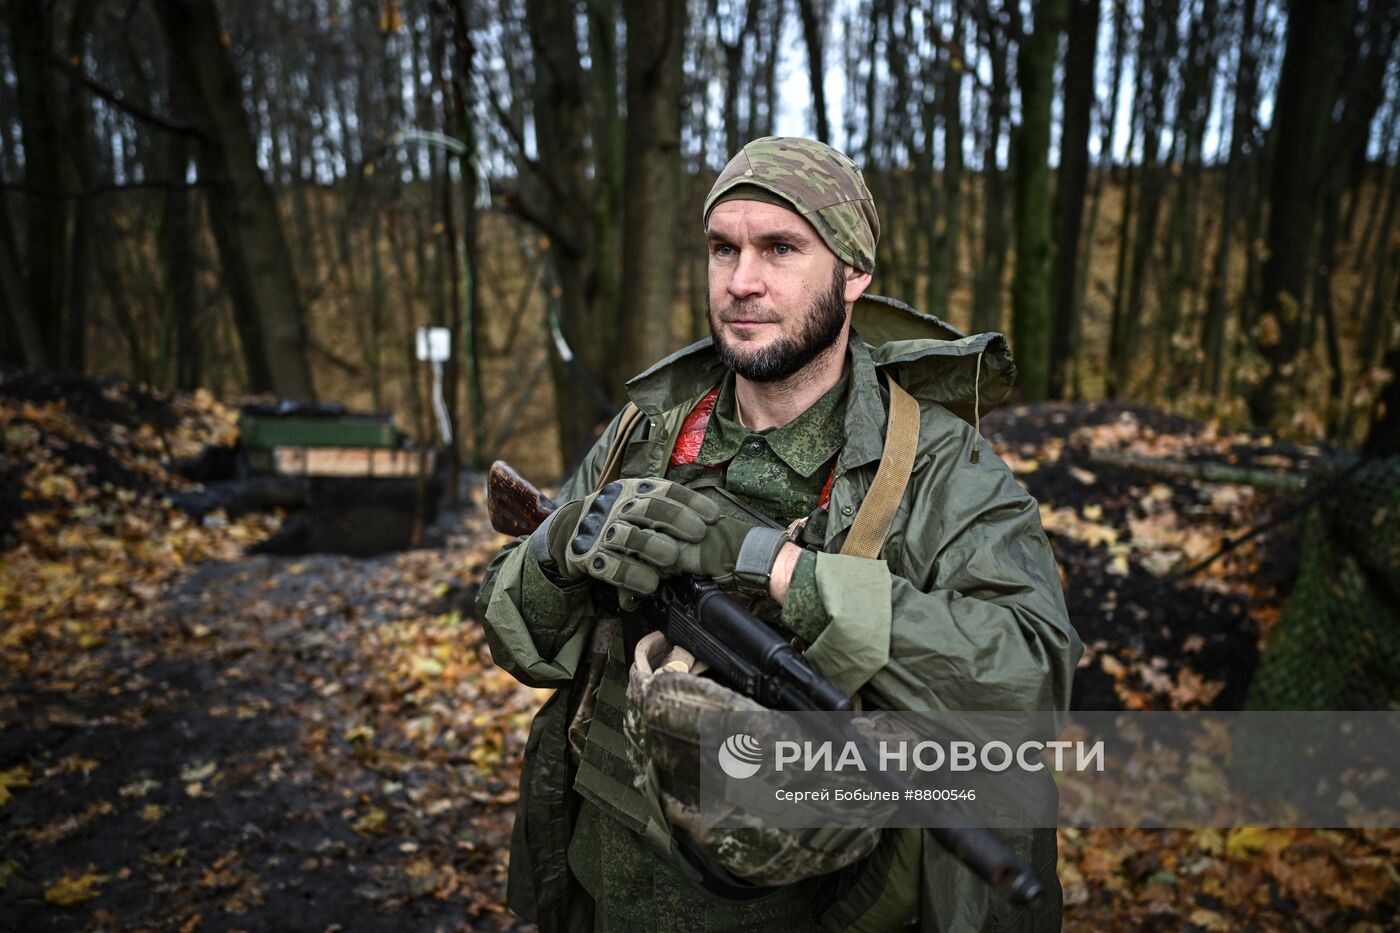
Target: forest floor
(196, 737)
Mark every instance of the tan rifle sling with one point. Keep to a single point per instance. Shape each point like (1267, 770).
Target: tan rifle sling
(876, 515)
(612, 464)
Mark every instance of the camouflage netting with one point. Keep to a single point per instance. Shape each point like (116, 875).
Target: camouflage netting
(1337, 645)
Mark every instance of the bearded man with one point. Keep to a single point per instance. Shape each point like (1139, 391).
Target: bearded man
(758, 449)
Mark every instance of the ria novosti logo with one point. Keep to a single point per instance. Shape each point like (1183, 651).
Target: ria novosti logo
(740, 756)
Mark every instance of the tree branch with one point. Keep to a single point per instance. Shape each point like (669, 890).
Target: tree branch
(117, 99)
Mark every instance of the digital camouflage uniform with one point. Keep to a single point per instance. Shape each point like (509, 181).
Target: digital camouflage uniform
(963, 611)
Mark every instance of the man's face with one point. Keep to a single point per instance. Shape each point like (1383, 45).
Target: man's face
(778, 294)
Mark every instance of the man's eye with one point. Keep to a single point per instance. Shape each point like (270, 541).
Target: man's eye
(782, 249)
(723, 249)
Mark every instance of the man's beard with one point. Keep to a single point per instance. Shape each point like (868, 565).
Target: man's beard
(821, 328)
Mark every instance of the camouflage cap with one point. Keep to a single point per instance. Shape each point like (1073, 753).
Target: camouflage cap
(818, 182)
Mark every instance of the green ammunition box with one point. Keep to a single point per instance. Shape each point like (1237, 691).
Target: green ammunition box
(263, 433)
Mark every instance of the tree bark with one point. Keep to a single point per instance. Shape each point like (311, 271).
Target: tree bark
(943, 261)
(28, 339)
(1317, 32)
(566, 205)
(1071, 185)
(178, 239)
(32, 30)
(252, 246)
(655, 53)
(989, 295)
(813, 34)
(1193, 109)
(1241, 130)
(1030, 294)
(1155, 59)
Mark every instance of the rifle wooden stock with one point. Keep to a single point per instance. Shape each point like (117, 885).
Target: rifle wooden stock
(515, 505)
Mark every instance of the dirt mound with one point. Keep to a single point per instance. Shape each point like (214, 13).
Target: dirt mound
(1122, 533)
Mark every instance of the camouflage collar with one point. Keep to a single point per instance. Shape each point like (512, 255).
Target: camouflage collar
(805, 443)
(687, 374)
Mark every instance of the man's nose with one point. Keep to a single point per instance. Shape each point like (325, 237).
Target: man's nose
(747, 280)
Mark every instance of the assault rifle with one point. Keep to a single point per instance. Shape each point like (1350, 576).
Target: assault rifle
(749, 657)
(743, 653)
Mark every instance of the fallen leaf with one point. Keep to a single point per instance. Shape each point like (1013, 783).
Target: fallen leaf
(15, 777)
(372, 822)
(74, 889)
(1211, 921)
(1243, 843)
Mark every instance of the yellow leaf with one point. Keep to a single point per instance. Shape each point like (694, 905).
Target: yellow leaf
(362, 732)
(15, 777)
(74, 889)
(427, 667)
(152, 812)
(200, 773)
(1243, 843)
(371, 822)
(1210, 840)
(1210, 920)
(77, 763)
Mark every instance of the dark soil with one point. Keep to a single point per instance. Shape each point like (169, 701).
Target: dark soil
(1140, 616)
(268, 841)
(109, 401)
(96, 405)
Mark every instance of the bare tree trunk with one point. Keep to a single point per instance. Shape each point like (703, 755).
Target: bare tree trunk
(14, 296)
(1317, 33)
(813, 33)
(1241, 124)
(1156, 53)
(1030, 292)
(943, 259)
(1105, 171)
(242, 210)
(988, 299)
(1071, 184)
(178, 240)
(734, 75)
(463, 99)
(655, 53)
(567, 210)
(1361, 97)
(1193, 109)
(1117, 334)
(32, 28)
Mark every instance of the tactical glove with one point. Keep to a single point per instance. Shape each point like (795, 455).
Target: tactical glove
(633, 532)
(685, 533)
(734, 554)
(629, 533)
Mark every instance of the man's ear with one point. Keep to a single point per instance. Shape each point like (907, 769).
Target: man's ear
(856, 284)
